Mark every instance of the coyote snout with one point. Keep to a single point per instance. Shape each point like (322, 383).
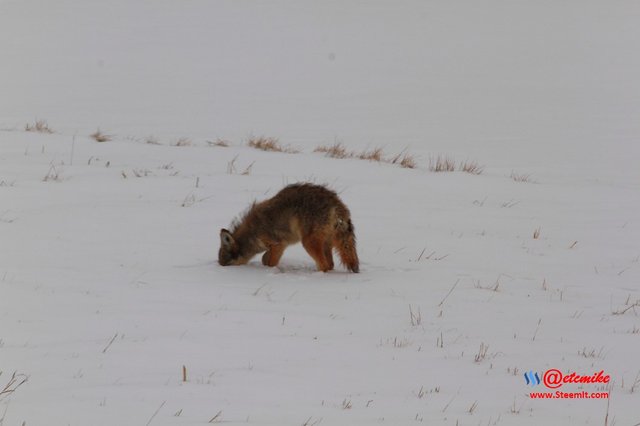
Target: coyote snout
(303, 212)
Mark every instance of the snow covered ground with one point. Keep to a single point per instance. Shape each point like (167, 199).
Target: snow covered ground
(109, 286)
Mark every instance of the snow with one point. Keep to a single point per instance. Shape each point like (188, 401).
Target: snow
(109, 283)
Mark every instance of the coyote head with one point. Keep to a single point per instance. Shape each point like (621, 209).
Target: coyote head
(229, 253)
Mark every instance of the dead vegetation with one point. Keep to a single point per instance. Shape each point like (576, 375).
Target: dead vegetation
(536, 233)
(98, 136)
(53, 175)
(141, 172)
(270, 144)
(232, 170)
(347, 404)
(371, 155)
(424, 392)
(338, 150)
(219, 142)
(592, 353)
(628, 307)
(491, 287)
(415, 317)
(396, 342)
(636, 383)
(191, 199)
(217, 418)
(442, 163)
(311, 422)
(407, 161)
(520, 177)
(39, 126)
(482, 353)
(13, 384)
(471, 167)
(183, 142)
(404, 160)
(152, 140)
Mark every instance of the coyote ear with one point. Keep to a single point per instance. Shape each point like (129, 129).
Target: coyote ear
(226, 239)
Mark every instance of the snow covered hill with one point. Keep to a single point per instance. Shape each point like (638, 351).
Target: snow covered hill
(112, 304)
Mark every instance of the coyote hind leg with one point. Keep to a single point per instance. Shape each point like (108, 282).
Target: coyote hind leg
(328, 253)
(317, 250)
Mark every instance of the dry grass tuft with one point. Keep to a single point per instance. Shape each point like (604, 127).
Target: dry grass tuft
(403, 159)
(247, 171)
(592, 353)
(415, 317)
(189, 200)
(482, 353)
(536, 233)
(12, 385)
(423, 392)
(408, 161)
(471, 167)
(183, 142)
(217, 418)
(633, 307)
(53, 175)
(219, 142)
(231, 168)
(141, 172)
(442, 164)
(270, 144)
(40, 126)
(337, 150)
(397, 158)
(372, 155)
(520, 177)
(396, 342)
(152, 140)
(101, 137)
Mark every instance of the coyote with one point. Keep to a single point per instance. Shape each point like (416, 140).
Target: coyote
(303, 212)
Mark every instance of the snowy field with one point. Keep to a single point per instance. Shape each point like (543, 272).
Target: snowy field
(112, 304)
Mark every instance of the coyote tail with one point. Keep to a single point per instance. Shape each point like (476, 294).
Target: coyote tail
(345, 243)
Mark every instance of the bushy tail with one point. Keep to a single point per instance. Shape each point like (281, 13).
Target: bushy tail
(345, 243)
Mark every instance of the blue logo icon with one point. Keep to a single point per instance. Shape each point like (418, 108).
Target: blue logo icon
(532, 378)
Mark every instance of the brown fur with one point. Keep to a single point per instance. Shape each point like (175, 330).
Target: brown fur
(303, 212)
